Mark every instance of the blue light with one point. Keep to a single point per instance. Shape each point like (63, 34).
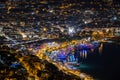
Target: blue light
(15, 64)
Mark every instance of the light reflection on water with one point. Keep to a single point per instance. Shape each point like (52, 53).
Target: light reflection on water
(94, 62)
(103, 64)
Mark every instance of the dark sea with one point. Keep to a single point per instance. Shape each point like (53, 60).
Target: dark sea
(104, 65)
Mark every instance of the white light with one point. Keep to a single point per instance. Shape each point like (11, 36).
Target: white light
(50, 11)
(115, 18)
(24, 36)
(33, 13)
(62, 30)
(85, 22)
(71, 30)
(89, 38)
